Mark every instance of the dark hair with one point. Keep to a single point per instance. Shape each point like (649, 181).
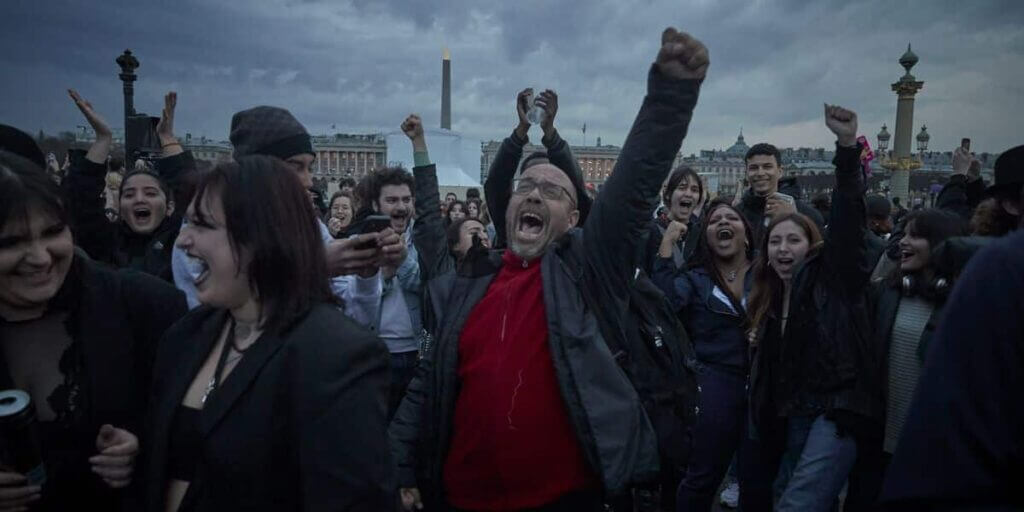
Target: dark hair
(703, 256)
(472, 193)
(479, 205)
(115, 164)
(341, 193)
(146, 172)
(764, 148)
(23, 184)
(268, 213)
(768, 285)
(372, 184)
(896, 201)
(452, 207)
(451, 194)
(530, 159)
(454, 230)
(347, 182)
(683, 171)
(990, 219)
(934, 225)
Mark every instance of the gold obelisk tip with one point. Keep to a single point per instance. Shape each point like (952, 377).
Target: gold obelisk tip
(446, 55)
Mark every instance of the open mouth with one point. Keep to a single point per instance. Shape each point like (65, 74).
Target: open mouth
(530, 224)
(142, 214)
(36, 277)
(906, 255)
(783, 262)
(725, 234)
(198, 269)
(686, 203)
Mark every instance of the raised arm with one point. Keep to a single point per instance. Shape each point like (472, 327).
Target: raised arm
(428, 233)
(622, 210)
(84, 184)
(176, 165)
(845, 246)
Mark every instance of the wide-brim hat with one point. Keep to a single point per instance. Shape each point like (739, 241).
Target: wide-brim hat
(1009, 172)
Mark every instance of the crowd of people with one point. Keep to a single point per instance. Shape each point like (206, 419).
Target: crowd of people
(190, 338)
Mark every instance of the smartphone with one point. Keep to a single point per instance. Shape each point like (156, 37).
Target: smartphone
(965, 143)
(371, 224)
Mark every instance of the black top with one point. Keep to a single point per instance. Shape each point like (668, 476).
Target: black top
(184, 444)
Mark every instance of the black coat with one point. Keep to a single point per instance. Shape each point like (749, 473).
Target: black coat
(752, 207)
(827, 355)
(618, 441)
(115, 319)
(115, 243)
(299, 424)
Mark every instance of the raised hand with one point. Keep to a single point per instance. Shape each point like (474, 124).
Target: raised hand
(413, 128)
(165, 128)
(116, 460)
(548, 101)
(99, 126)
(682, 56)
(843, 123)
(522, 108)
(961, 160)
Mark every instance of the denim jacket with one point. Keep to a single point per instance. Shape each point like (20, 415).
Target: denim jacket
(714, 326)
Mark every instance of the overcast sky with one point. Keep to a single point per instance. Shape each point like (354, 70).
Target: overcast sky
(362, 65)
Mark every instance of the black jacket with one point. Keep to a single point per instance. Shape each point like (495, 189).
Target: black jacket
(115, 243)
(299, 424)
(962, 446)
(114, 320)
(826, 362)
(652, 242)
(752, 207)
(498, 187)
(617, 438)
(960, 195)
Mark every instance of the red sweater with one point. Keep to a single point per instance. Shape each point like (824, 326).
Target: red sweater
(512, 444)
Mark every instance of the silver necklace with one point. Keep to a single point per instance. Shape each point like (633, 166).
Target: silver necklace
(731, 276)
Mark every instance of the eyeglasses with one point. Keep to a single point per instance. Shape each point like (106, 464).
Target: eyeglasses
(548, 190)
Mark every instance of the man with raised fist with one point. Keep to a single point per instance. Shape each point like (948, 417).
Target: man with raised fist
(519, 404)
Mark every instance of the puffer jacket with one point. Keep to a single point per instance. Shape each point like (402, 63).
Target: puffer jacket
(826, 362)
(618, 440)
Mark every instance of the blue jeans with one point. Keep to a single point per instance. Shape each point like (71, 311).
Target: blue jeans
(816, 464)
(719, 433)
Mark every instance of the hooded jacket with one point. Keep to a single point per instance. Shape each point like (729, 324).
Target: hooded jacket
(618, 440)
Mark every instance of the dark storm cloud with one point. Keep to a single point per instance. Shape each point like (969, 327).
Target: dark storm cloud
(362, 64)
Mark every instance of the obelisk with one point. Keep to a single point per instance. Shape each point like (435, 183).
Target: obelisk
(446, 90)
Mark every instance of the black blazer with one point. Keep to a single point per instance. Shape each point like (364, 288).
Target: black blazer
(299, 424)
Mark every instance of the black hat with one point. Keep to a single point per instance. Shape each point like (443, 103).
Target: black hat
(21, 144)
(269, 131)
(1009, 172)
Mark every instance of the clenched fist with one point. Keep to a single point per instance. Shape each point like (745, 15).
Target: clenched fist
(682, 56)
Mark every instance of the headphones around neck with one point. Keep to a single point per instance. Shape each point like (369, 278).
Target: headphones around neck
(937, 287)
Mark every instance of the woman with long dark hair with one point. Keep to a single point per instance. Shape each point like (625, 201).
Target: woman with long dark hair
(710, 300)
(78, 338)
(907, 306)
(814, 378)
(267, 397)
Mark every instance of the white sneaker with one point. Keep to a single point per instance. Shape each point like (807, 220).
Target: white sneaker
(730, 496)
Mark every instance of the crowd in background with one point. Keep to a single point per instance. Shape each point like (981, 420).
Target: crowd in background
(181, 337)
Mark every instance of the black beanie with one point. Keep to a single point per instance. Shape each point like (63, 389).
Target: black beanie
(21, 144)
(271, 131)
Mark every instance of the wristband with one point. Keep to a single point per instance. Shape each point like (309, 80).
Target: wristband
(175, 143)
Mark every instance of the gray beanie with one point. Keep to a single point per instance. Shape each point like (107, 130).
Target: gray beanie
(269, 131)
